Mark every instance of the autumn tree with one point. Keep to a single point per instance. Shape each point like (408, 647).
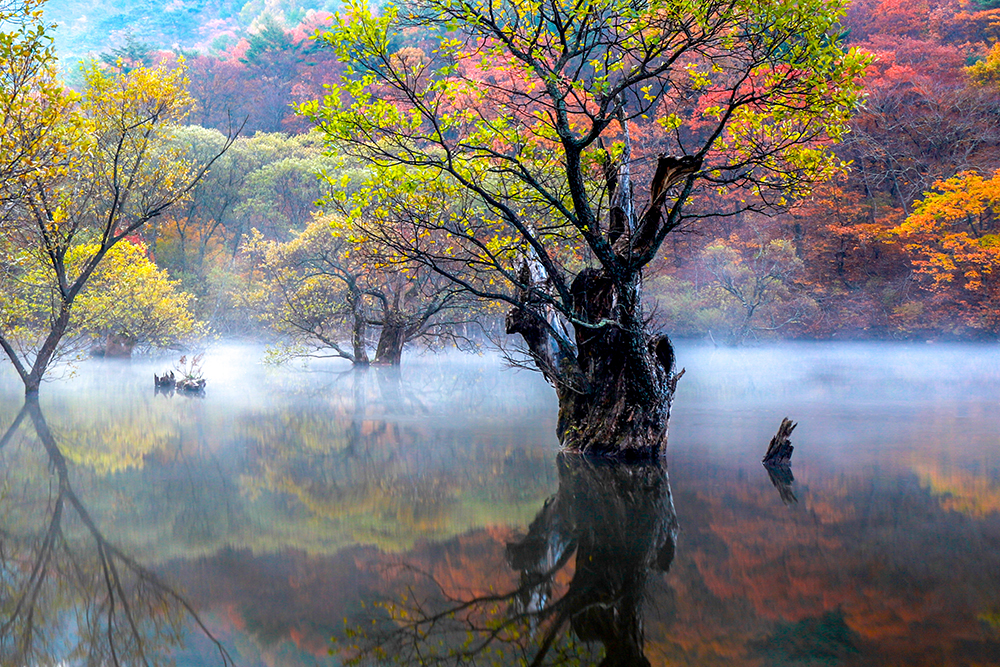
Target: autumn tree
(114, 173)
(921, 122)
(531, 108)
(328, 288)
(753, 282)
(953, 240)
(131, 303)
(32, 102)
(849, 269)
(127, 303)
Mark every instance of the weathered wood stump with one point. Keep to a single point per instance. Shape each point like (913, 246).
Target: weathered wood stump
(191, 387)
(779, 452)
(778, 462)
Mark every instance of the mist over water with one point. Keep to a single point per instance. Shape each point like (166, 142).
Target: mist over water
(278, 502)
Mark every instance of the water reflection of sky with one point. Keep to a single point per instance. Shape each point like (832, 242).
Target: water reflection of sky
(284, 498)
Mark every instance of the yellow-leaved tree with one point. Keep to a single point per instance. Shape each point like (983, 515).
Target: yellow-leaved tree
(127, 302)
(953, 240)
(32, 102)
(131, 302)
(116, 169)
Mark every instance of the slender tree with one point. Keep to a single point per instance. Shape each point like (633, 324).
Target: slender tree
(112, 172)
(532, 107)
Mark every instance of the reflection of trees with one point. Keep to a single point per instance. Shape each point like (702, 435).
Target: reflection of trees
(67, 594)
(387, 466)
(619, 522)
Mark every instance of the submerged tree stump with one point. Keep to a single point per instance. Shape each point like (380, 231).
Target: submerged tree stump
(779, 452)
(191, 386)
(778, 462)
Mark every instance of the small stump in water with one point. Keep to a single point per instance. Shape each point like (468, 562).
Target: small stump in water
(778, 461)
(191, 387)
(779, 452)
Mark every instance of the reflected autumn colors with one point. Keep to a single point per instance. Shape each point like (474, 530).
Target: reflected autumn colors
(616, 522)
(71, 596)
(290, 504)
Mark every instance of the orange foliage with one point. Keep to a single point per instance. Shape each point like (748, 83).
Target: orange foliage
(953, 240)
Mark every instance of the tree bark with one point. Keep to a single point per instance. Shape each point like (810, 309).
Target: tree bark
(360, 326)
(615, 392)
(33, 380)
(119, 346)
(389, 351)
(623, 409)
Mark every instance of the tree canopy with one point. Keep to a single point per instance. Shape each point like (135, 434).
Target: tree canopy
(532, 109)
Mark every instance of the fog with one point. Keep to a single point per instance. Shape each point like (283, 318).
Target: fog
(855, 402)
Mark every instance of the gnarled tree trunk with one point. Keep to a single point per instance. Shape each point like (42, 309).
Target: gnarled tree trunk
(623, 409)
(615, 392)
(614, 377)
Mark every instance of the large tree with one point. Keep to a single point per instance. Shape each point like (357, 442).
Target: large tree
(544, 111)
(32, 101)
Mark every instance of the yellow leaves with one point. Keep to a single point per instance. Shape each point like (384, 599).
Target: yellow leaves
(130, 296)
(986, 73)
(951, 235)
(714, 112)
(670, 122)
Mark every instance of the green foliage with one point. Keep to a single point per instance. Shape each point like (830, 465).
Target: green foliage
(766, 98)
(267, 182)
(270, 36)
(130, 55)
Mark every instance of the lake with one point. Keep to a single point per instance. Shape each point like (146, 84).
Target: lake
(296, 515)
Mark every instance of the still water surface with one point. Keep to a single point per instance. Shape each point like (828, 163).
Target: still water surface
(428, 515)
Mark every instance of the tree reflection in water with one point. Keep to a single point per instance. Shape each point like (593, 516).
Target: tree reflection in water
(617, 519)
(67, 595)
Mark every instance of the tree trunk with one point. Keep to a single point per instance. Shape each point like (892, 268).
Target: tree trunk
(624, 407)
(119, 346)
(615, 379)
(615, 392)
(390, 342)
(360, 326)
(33, 380)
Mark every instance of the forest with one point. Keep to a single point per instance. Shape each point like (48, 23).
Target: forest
(897, 240)
(274, 171)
